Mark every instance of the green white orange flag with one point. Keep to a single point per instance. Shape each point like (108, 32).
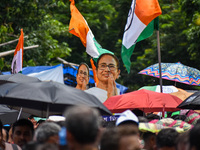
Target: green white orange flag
(79, 27)
(141, 13)
(17, 61)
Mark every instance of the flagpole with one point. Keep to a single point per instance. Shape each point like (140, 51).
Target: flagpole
(159, 60)
(156, 26)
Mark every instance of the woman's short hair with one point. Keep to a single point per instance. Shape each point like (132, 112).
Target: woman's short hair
(115, 57)
(86, 67)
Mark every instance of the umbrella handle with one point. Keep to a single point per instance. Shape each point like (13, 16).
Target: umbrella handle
(163, 111)
(47, 115)
(19, 113)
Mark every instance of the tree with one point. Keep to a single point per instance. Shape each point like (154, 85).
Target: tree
(191, 10)
(175, 44)
(99, 16)
(41, 21)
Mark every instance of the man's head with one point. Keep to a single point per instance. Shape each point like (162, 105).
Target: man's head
(149, 140)
(183, 141)
(194, 137)
(110, 139)
(129, 139)
(48, 133)
(22, 132)
(82, 125)
(107, 64)
(82, 74)
(123, 138)
(166, 139)
(128, 118)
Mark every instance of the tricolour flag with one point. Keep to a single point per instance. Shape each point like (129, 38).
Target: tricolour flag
(17, 61)
(141, 13)
(79, 27)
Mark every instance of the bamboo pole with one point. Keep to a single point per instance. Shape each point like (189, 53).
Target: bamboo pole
(68, 63)
(12, 51)
(10, 42)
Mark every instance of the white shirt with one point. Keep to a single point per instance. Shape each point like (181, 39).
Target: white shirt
(99, 93)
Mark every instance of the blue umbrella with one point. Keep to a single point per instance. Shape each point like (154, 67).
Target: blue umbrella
(174, 71)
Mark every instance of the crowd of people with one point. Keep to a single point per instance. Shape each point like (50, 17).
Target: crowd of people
(83, 127)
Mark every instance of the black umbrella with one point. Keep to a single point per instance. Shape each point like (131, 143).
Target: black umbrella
(46, 98)
(19, 78)
(192, 102)
(9, 116)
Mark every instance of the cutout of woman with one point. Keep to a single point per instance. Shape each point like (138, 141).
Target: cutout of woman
(82, 77)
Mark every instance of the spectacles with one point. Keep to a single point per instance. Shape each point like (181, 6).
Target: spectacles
(84, 73)
(112, 67)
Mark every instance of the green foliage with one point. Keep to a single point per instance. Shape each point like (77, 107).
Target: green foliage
(99, 16)
(192, 32)
(179, 38)
(45, 22)
(1, 63)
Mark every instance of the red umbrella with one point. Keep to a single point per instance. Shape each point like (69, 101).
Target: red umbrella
(145, 100)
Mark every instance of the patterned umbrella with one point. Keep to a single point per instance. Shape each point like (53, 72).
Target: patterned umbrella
(174, 71)
(155, 128)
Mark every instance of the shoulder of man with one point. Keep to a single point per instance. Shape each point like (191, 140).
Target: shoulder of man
(11, 146)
